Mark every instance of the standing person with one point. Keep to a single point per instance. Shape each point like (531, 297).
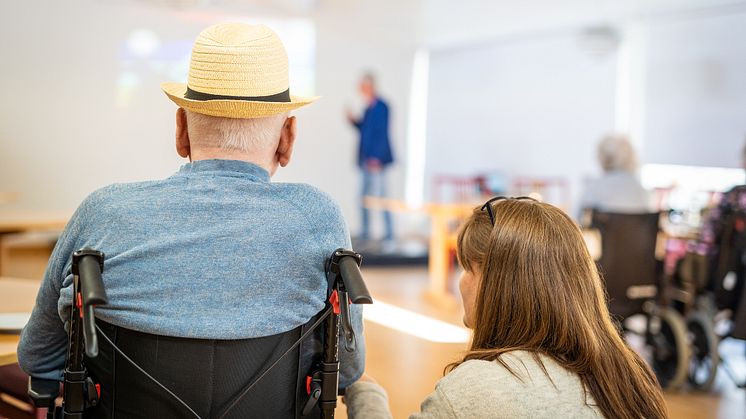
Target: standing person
(374, 153)
(544, 344)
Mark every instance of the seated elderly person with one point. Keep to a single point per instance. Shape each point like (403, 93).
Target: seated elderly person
(716, 232)
(216, 252)
(618, 189)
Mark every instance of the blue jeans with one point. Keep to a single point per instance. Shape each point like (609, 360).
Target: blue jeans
(374, 184)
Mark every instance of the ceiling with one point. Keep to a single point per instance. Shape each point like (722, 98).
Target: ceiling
(450, 23)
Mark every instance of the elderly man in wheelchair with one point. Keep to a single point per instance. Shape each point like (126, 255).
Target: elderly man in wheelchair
(211, 286)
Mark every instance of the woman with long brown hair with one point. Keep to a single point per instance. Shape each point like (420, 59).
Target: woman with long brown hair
(544, 344)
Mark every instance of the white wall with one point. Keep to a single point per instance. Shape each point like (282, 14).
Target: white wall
(695, 90)
(63, 133)
(530, 107)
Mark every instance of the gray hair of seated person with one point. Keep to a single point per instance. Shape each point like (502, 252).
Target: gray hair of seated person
(615, 153)
(245, 135)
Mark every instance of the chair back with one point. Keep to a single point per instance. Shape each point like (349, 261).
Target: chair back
(729, 274)
(627, 264)
(205, 374)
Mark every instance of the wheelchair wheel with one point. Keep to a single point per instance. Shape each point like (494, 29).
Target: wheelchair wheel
(670, 349)
(703, 342)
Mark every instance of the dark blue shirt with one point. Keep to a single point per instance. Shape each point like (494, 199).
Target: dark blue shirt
(374, 134)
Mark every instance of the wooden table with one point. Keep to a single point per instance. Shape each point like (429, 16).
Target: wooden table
(18, 221)
(22, 222)
(16, 295)
(442, 237)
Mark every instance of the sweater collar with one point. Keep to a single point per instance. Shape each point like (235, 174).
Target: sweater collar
(226, 166)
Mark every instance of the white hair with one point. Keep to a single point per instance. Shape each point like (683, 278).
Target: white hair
(244, 135)
(615, 152)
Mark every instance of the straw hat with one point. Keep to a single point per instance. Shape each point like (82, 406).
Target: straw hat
(236, 71)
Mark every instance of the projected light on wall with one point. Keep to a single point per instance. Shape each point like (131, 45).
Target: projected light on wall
(145, 59)
(148, 56)
(143, 43)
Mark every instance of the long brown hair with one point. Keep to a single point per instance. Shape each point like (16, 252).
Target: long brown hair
(540, 291)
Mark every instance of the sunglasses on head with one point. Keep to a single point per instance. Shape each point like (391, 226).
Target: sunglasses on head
(488, 205)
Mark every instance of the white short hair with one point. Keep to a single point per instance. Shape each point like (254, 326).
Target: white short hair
(235, 134)
(615, 152)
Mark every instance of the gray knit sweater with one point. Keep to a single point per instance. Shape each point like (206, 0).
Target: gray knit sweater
(483, 389)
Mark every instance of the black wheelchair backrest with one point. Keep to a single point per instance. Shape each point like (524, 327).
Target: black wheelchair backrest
(627, 257)
(212, 378)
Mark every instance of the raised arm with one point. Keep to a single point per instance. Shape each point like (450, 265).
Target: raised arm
(353, 120)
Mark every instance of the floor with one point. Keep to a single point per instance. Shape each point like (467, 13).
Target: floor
(409, 366)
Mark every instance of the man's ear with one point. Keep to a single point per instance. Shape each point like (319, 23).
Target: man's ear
(287, 141)
(182, 134)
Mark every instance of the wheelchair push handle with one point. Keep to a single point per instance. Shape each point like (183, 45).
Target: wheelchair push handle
(88, 265)
(345, 266)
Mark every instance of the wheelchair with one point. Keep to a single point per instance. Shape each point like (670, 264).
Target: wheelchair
(270, 376)
(635, 286)
(717, 309)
